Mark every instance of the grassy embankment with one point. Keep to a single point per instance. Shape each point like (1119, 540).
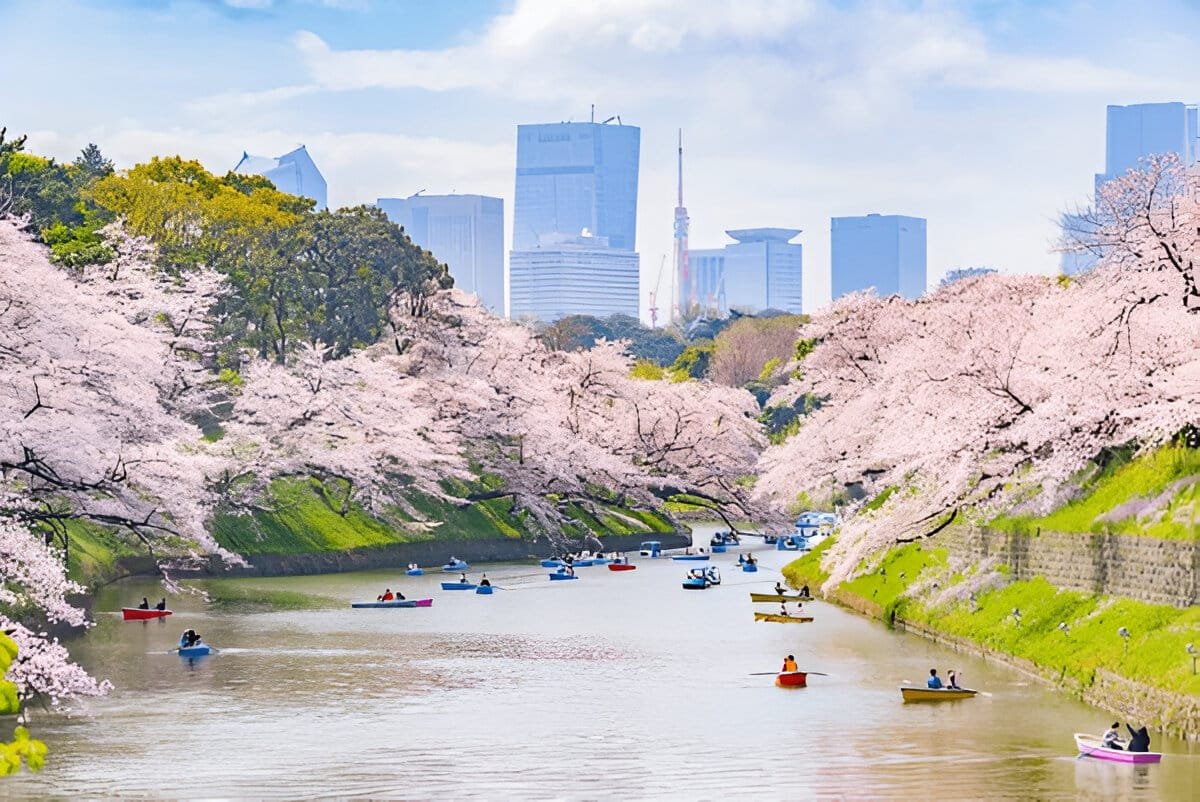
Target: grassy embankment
(1155, 654)
(306, 517)
(1166, 482)
(303, 515)
(1158, 633)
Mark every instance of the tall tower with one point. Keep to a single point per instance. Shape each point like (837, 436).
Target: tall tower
(685, 290)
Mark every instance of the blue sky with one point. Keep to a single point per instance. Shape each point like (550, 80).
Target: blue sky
(986, 118)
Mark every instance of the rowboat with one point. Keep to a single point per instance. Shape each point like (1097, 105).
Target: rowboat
(457, 565)
(719, 549)
(484, 590)
(697, 557)
(199, 650)
(749, 568)
(1091, 746)
(458, 586)
(561, 577)
(140, 614)
(777, 597)
(551, 563)
(912, 694)
(696, 583)
(621, 567)
(783, 619)
(415, 572)
(792, 679)
(394, 603)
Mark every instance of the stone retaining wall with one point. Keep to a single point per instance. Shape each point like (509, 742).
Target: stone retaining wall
(1142, 568)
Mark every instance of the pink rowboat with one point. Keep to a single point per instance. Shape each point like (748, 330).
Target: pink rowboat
(621, 567)
(139, 614)
(1092, 746)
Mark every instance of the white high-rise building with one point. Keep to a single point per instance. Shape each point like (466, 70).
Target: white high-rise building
(294, 173)
(567, 275)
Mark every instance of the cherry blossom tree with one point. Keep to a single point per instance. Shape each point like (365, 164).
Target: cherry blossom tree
(989, 393)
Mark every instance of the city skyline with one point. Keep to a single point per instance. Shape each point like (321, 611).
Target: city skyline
(921, 109)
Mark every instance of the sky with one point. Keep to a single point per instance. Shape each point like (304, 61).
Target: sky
(986, 118)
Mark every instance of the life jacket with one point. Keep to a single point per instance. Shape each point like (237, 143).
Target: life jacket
(789, 665)
(388, 597)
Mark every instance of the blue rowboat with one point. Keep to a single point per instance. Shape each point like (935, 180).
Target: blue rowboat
(551, 563)
(718, 549)
(695, 583)
(199, 650)
(395, 603)
(415, 572)
(458, 586)
(457, 565)
(749, 568)
(696, 557)
(484, 590)
(556, 577)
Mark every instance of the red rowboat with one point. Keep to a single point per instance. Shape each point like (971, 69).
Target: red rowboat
(621, 567)
(792, 679)
(138, 614)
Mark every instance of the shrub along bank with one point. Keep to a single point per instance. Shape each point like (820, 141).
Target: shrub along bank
(1069, 638)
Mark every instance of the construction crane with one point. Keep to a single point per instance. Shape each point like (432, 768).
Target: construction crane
(654, 294)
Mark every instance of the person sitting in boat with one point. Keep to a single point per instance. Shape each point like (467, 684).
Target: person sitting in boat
(741, 559)
(145, 605)
(934, 682)
(783, 610)
(162, 604)
(387, 596)
(952, 681)
(804, 592)
(484, 582)
(1112, 739)
(780, 589)
(750, 559)
(413, 566)
(1139, 740)
(789, 665)
(188, 639)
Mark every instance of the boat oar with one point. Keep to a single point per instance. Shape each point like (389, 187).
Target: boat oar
(766, 673)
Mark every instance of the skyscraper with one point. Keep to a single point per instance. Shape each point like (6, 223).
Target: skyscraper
(464, 231)
(572, 275)
(886, 252)
(573, 177)
(1134, 132)
(762, 270)
(293, 172)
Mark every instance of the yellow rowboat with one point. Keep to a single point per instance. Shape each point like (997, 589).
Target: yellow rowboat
(783, 619)
(911, 694)
(777, 597)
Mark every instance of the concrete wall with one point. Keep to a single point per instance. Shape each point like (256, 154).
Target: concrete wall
(1141, 568)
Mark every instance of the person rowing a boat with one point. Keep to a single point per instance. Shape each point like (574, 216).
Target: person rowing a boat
(780, 589)
(789, 665)
(1112, 739)
(804, 592)
(953, 681)
(783, 610)
(162, 604)
(484, 582)
(188, 639)
(387, 596)
(934, 682)
(145, 605)
(750, 559)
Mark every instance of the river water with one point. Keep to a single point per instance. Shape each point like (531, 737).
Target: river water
(614, 686)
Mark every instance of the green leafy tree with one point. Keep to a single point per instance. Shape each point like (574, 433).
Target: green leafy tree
(22, 750)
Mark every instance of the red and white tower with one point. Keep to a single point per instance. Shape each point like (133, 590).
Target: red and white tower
(685, 287)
